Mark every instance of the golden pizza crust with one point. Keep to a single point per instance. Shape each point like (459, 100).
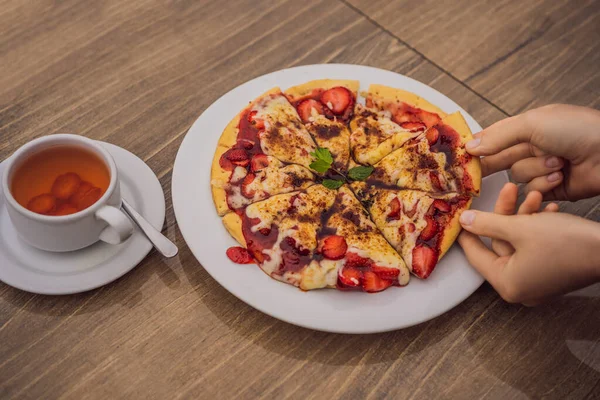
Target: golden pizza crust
(302, 90)
(473, 167)
(218, 175)
(452, 230)
(388, 94)
(233, 224)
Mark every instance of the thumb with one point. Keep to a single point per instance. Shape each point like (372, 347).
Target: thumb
(492, 225)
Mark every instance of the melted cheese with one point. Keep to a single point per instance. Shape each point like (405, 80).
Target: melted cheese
(381, 208)
(320, 274)
(374, 135)
(284, 136)
(332, 135)
(362, 236)
(302, 225)
(410, 167)
(276, 178)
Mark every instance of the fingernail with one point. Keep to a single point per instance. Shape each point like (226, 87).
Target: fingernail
(552, 162)
(467, 217)
(473, 143)
(553, 177)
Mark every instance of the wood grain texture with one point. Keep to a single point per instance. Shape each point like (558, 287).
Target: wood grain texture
(137, 74)
(518, 54)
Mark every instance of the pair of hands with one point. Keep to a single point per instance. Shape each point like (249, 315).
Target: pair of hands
(555, 152)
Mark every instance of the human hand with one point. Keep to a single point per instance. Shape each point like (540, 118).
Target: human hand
(553, 149)
(534, 256)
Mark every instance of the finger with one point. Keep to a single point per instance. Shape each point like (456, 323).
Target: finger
(549, 185)
(552, 207)
(500, 136)
(527, 169)
(506, 158)
(505, 205)
(507, 200)
(531, 204)
(492, 225)
(488, 264)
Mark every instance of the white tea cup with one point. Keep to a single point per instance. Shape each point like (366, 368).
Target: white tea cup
(103, 220)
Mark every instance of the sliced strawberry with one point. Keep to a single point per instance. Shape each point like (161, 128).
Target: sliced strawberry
(435, 180)
(373, 283)
(424, 260)
(65, 209)
(430, 230)
(337, 99)
(247, 192)
(432, 135)
(238, 154)
(441, 205)
(385, 272)
(65, 185)
(430, 119)
(350, 276)
(257, 122)
(305, 109)
(355, 261)
(245, 143)
(396, 208)
(86, 195)
(42, 204)
(413, 126)
(259, 161)
(410, 227)
(237, 157)
(225, 163)
(239, 255)
(334, 247)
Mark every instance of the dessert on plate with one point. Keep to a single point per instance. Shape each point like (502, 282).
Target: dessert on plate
(322, 191)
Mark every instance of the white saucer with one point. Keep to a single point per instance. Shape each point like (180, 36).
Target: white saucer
(327, 310)
(38, 271)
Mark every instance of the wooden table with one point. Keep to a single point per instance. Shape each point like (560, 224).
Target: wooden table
(137, 73)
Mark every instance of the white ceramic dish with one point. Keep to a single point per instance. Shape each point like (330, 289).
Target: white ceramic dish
(38, 271)
(328, 310)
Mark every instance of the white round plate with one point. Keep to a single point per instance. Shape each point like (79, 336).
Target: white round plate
(38, 271)
(327, 310)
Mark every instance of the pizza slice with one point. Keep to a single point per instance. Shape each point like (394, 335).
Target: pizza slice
(361, 255)
(420, 226)
(269, 125)
(255, 180)
(325, 106)
(280, 235)
(435, 162)
(374, 135)
(408, 110)
(254, 150)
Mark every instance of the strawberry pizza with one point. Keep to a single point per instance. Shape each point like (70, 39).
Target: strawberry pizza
(325, 188)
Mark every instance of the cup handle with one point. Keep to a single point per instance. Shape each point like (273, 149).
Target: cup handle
(119, 227)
